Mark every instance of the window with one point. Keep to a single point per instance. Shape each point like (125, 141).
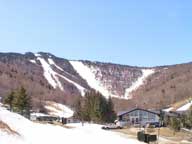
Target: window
(151, 117)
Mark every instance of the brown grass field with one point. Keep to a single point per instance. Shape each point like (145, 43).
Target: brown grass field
(167, 136)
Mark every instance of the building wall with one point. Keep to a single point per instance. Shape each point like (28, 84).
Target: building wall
(140, 117)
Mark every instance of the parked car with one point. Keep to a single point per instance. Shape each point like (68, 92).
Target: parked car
(111, 126)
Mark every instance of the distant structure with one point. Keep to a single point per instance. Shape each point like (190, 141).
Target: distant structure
(138, 116)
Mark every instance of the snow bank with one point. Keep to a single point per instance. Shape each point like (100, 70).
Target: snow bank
(89, 75)
(53, 77)
(34, 133)
(5, 138)
(140, 81)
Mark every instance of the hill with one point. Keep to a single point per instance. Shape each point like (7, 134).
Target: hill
(47, 77)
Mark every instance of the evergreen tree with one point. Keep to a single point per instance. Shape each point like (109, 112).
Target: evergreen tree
(94, 107)
(79, 114)
(9, 100)
(111, 115)
(22, 102)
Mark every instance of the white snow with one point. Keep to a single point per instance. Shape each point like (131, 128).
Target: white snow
(35, 133)
(168, 109)
(33, 61)
(51, 62)
(89, 75)
(53, 77)
(49, 74)
(140, 81)
(185, 107)
(80, 88)
(57, 109)
(37, 54)
(38, 114)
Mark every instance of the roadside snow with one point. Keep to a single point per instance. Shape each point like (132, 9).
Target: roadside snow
(35, 133)
(53, 77)
(140, 81)
(185, 107)
(89, 75)
(57, 109)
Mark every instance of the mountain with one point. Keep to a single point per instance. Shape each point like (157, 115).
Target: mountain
(47, 77)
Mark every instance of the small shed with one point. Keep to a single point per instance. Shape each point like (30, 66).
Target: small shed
(43, 117)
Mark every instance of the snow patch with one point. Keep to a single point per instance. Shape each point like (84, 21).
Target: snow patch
(38, 114)
(57, 109)
(35, 133)
(140, 81)
(89, 75)
(168, 109)
(33, 61)
(185, 107)
(37, 54)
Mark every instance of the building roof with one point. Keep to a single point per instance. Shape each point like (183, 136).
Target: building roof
(39, 114)
(128, 111)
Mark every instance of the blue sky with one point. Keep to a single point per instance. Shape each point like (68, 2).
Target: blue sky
(132, 32)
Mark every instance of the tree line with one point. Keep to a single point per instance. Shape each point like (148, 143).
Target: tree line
(19, 101)
(94, 107)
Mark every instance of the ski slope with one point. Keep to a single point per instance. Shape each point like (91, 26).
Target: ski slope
(89, 75)
(57, 109)
(140, 81)
(53, 77)
(35, 133)
(51, 62)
